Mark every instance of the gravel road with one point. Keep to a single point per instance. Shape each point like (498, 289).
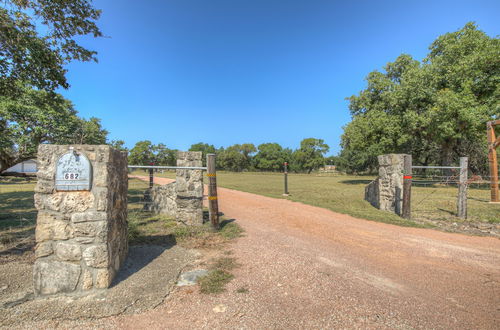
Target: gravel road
(308, 267)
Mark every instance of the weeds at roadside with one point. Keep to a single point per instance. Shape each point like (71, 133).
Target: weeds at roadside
(218, 276)
(242, 290)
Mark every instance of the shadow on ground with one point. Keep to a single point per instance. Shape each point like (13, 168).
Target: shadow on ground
(141, 256)
(145, 280)
(354, 182)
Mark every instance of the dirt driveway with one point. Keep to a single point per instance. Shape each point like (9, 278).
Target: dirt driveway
(307, 267)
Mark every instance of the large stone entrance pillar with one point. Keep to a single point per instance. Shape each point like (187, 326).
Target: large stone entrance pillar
(189, 189)
(386, 192)
(81, 230)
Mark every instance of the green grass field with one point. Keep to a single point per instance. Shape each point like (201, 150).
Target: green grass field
(345, 194)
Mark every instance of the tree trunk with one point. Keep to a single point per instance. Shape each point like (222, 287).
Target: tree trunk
(447, 158)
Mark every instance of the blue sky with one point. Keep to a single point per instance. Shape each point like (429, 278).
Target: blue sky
(235, 71)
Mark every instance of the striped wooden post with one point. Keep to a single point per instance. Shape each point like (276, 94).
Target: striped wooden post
(213, 204)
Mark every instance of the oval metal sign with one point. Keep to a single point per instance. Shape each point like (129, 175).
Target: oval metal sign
(73, 172)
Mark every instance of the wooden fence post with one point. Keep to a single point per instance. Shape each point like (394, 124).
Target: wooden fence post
(407, 179)
(493, 143)
(286, 179)
(213, 204)
(462, 189)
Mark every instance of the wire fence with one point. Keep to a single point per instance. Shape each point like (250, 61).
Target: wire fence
(434, 193)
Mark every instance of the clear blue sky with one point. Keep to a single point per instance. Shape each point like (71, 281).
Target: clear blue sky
(234, 71)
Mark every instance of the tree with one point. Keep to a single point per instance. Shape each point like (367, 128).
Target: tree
(164, 156)
(142, 153)
(90, 132)
(270, 157)
(236, 157)
(310, 155)
(118, 145)
(436, 110)
(38, 37)
(205, 149)
(37, 116)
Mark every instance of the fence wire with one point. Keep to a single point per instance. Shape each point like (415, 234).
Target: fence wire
(435, 192)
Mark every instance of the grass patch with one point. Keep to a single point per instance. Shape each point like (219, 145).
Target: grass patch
(242, 290)
(17, 213)
(230, 230)
(225, 264)
(148, 228)
(218, 276)
(215, 281)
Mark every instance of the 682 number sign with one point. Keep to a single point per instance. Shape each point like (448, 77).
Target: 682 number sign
(71, 176)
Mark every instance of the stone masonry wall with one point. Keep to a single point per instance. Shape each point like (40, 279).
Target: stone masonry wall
(81, 236)
(189, 189)
(161, 200)
(386, 192)
(182, 199)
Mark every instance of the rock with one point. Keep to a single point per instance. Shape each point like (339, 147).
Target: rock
(96, 256)
(96, 229)
(103, 279)
(89, 216)
(191, 277)
(68, 251)
(52, 277)
(220, 308)
(43, 249)
(87, 281)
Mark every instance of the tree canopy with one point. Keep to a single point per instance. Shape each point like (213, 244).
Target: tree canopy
(435, 110)
(147, 153)
(37, 116)
(205, 149)
(310, 155)
(236, 157)
(38, 37)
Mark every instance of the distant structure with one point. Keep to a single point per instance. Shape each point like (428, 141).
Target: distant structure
(28, 166)
(328, 169)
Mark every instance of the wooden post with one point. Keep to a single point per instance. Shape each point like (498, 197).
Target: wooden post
(150, 178)
(493, 143)
(213, 204)
(462, 189)
(407, 180)
(286, 179)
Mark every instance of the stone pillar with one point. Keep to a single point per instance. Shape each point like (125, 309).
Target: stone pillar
(81, 230)
(390, 174)
(189, 189)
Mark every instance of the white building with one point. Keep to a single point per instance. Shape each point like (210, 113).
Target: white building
(28, 166)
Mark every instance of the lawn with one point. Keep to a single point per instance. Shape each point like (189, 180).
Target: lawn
(345, 194)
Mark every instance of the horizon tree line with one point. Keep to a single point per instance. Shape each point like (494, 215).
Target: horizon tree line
(309, 156)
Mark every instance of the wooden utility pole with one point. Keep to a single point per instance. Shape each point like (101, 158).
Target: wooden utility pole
(462, 189)
(213, 204)
(407, 180)
(493, 143)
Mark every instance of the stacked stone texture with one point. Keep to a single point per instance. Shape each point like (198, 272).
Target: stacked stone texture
(81, 236)
(161, 200)
(386, 192)
(182, 199)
